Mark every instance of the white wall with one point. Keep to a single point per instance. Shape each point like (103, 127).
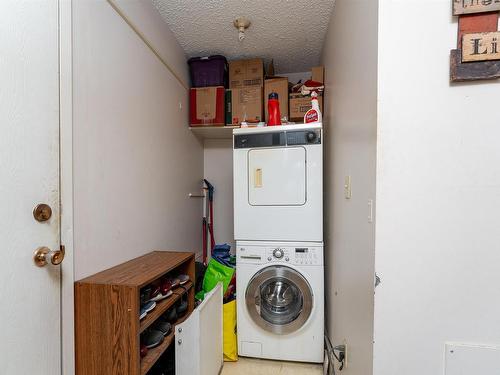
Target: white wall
(438, 196)
(350, 60)
(135, 161)
(218, 169)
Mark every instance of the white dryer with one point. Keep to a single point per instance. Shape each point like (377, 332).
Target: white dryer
(280, 306)
(278, 183)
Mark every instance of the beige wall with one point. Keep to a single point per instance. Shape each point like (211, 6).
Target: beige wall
(135, 161)
(438, 198)
(350, 59)
(218, 169)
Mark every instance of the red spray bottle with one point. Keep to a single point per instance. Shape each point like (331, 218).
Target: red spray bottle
(273, 108)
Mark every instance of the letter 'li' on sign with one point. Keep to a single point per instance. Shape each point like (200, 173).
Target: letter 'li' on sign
(481, 47)
(475, 6)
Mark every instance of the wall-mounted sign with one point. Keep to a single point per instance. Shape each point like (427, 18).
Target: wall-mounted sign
(477, 56)
(472, 71)
(475, 6)
(481, 47)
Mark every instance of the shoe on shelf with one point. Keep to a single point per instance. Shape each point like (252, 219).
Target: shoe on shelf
(175, 282)
(182, 306)
(145, 293)
(152, 338)
(161, 296)
(147, 307)
(163, 326)
(183, 279)
(171, 315)
(166, 287)
(155, 290)
(144, 350)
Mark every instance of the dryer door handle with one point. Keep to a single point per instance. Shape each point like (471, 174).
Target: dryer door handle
(258, 178)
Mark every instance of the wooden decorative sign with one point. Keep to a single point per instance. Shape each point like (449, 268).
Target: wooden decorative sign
(477, 56)
(481, 47)
(475, 6)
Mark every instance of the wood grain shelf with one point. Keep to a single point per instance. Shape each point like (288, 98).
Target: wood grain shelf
(163, 306)
(154, 354)
(107, 325)
(213, 132)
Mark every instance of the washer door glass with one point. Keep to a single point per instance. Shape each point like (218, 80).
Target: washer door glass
(279, 299)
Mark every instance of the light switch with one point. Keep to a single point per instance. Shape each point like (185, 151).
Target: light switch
(370, 210)
(347, 187)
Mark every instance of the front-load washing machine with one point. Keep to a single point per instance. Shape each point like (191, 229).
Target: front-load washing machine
(278, 183)
(280, 306)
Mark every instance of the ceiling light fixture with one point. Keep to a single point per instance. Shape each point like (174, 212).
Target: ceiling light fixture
(241, 24)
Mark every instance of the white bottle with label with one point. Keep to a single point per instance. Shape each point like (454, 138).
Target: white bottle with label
(313, 116)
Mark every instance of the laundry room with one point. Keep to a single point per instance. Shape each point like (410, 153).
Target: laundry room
(250, 187)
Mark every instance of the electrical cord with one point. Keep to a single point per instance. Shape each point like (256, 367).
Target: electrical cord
(330, 352)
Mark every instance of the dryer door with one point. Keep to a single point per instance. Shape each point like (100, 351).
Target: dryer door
(279, 299)
(277, 176)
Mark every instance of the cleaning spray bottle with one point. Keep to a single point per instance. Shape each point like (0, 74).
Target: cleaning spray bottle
(313, 116)
(273, 108)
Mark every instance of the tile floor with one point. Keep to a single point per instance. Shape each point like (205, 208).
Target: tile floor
(251, 366)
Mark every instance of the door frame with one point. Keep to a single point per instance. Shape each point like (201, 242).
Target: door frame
(66, 184)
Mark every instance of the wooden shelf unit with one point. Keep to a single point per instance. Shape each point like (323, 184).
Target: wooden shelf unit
(107, 324)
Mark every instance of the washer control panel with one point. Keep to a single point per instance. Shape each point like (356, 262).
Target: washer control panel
(308, 256)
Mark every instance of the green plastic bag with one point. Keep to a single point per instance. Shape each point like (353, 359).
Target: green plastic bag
(215, 272)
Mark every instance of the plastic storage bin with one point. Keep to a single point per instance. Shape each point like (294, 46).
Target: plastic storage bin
(208, 71)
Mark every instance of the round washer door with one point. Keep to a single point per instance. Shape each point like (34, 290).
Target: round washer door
(279, 299)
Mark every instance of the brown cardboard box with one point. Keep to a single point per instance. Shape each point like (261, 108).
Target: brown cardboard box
(300, 104)
(278, 85)
(247, 104)
(246, 73)
(318, 74)
(207, 106)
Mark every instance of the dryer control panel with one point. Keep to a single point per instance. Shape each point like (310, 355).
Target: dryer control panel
(278, 139)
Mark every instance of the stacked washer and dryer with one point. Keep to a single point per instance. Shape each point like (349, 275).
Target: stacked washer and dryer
(278, 228)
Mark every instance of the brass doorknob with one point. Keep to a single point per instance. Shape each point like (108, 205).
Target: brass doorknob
(43, 254)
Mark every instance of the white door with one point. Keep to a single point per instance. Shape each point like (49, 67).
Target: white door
(199, 340)
(277, 177)
(29, 175)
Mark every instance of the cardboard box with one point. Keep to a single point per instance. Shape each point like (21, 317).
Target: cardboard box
(300, 104)
(246, 104)
(246, 73)
(318, 74)
(207, 106)
(278, 85)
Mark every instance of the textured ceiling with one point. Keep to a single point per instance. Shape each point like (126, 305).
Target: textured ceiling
(289, 31)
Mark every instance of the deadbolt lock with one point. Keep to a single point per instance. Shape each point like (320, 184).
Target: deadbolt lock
(42, 212)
